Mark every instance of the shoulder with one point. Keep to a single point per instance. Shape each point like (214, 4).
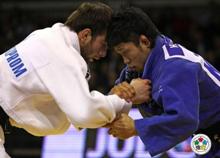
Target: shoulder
(177, 51)
(177, 56)
(47, 33)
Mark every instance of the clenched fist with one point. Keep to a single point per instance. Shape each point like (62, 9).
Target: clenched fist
(142, 90)
(124, 90)
(122, 127)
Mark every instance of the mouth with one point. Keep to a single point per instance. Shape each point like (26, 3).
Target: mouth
(132, 68)
(91, 60)
(94, 58)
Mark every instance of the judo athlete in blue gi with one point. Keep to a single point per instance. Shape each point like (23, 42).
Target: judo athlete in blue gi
(185, 87)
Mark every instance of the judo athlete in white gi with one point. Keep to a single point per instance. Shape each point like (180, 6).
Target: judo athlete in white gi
(43, 78)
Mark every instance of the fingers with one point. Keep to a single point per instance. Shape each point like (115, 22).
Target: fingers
(123, 127)
(122, 122)
(124, 91)
(129, 89)
(138, 91)
(147, 81)
(143, 90)
(116, 133)
(116, 90)
(139, 81)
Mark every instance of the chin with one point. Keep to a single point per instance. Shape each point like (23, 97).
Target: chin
(138, 70)
(91, 60)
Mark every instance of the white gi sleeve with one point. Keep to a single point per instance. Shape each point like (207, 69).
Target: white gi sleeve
(70, 89)
(60, 70)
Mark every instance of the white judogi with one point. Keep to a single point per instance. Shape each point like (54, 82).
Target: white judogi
(43, 86)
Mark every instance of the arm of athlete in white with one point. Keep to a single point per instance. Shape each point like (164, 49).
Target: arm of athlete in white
(64, 76)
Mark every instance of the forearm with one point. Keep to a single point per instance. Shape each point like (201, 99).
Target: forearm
(98, 110)
(160, 133)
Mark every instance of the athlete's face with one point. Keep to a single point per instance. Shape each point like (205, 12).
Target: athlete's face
(97, 48)
(92, 48)
(134, 56)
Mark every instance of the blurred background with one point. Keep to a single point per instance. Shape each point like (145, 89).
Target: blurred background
(193, 23)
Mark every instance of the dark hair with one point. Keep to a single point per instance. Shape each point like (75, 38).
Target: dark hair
(93, 15)
(128, 24)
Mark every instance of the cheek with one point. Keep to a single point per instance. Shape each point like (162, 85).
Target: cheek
(95, 49)
(90, 51)
(136, 58)
(139, 61)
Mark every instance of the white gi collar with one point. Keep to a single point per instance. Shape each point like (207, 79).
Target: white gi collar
(70, 36)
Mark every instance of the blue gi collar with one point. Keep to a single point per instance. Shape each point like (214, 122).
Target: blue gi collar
(155, 55)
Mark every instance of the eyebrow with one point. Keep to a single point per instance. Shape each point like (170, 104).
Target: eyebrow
(121, 52)
(119, 48)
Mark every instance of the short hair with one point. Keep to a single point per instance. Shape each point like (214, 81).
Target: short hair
(93, 15)
(128, 24)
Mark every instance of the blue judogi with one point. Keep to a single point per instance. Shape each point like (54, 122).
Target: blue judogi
(185, 93)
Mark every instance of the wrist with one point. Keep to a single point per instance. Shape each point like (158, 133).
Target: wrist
(135, 133)
(134, 130)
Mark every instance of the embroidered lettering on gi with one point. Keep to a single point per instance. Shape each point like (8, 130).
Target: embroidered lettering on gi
(15, 62)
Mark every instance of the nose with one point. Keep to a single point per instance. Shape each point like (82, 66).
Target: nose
(126, 61)
(102, 53)
(103, 50)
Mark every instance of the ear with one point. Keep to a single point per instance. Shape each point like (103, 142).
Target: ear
(144, 41)
(85, 36)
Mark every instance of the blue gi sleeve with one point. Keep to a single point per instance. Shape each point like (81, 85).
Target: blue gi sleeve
(178, 93)
(121, 77)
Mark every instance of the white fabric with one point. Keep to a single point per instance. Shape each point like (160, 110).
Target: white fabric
(53, 92)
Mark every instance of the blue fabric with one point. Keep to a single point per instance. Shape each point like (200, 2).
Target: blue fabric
(189, 98)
